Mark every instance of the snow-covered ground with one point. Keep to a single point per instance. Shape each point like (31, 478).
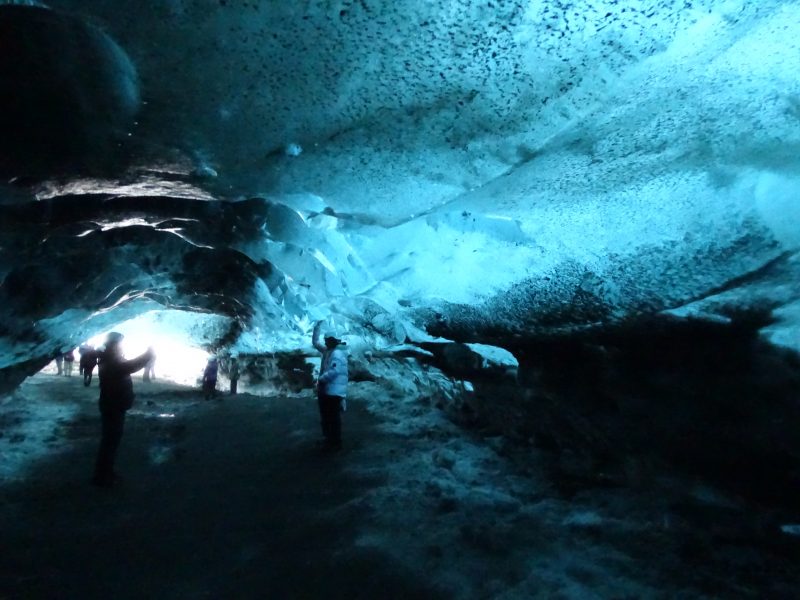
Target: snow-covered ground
(32, 429)
(230, 498)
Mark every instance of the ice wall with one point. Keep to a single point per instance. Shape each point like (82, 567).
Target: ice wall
(476, 170)
(407, 104)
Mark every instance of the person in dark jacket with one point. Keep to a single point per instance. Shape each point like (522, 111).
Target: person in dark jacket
(59, 358)
(88, 363)
(116, 397)
(150, 367)
(210, 378)
(81, 351)
(234, 375)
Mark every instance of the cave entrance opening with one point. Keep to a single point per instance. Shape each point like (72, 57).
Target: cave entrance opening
(179, 339)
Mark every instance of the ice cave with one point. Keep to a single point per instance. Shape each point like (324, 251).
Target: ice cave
(560, 239)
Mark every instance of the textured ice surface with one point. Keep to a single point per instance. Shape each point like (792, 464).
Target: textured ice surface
(482, 171)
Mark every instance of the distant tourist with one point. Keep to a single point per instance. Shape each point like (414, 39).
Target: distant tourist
(69, 359)
(234, 375)
(116, 397)
(331, 387)
(88, 361)
(59, 358)
(150, 367)
(82, 349)
(210, 378)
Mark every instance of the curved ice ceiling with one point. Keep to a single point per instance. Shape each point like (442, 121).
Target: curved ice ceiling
(485, 170)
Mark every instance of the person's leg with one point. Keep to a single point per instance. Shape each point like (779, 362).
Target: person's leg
(331, 420)
(323, 416)
(234, 384)
(113, 425)
(336, 421)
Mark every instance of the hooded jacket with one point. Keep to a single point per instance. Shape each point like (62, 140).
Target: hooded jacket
(332, 371)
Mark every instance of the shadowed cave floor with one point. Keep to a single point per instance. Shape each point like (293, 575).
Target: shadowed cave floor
(231, 499)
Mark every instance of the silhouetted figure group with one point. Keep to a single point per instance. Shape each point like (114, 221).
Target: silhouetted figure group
(211, 374)
(64, 361)
(86, 363)
(116, 392)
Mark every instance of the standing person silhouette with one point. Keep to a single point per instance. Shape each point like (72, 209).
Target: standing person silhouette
(69, 359)
(88, 362)
(116, 397)
(150, 367)
(210, 378)
(234, 375)
(59, 357)
(331, 387)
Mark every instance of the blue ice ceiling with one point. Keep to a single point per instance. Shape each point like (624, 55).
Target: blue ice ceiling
(483, 171)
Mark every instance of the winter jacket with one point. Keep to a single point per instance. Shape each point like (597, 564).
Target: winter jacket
(88, 359)
(333, 373)
(333, 369)
(210, 373)
(116, 387)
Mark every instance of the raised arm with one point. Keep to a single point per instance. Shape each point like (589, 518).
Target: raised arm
(134, 364)
(316, 335)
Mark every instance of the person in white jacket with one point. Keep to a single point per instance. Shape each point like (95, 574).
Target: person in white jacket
(331, 386)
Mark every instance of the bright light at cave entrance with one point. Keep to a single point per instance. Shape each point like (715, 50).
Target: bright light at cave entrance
(177, 359)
